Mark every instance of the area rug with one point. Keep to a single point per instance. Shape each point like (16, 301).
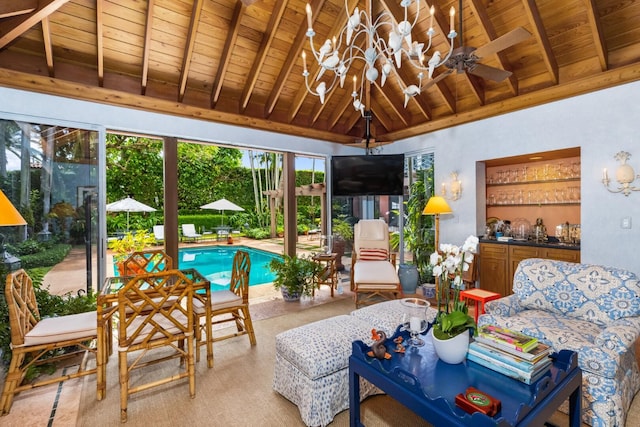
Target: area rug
(237, 390)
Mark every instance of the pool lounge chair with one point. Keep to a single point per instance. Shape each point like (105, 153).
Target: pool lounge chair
(158, 233)
(189, 233)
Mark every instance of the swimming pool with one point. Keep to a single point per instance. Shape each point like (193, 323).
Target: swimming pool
(215, 263)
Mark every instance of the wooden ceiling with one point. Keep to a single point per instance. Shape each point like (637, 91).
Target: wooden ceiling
(239, 62)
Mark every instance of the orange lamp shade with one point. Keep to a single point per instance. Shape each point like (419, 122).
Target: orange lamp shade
(437, 205)
(9, 215)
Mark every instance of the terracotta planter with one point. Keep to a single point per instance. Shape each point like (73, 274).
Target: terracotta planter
(454, 350)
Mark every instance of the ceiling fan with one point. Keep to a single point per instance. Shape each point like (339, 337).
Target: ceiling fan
(466, 58)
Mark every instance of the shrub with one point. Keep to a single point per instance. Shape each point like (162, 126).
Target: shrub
(47, 258)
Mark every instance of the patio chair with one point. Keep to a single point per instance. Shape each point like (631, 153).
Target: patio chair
(373, 269)
(151, 261)
(231, 305)
(155, 312)
(33, 338)
(158, 233)
(189, 233)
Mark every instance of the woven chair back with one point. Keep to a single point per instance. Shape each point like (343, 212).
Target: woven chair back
(240, 275)
(155, 307)
(22, 305)
(151, 261)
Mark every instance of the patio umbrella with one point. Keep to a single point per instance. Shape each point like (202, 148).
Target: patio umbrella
(128, 205)
(222, 205)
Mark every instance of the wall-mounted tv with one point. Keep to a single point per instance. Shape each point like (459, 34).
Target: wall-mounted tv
(367, 175)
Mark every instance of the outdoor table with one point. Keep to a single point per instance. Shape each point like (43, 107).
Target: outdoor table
(329, 273)
(223, 232)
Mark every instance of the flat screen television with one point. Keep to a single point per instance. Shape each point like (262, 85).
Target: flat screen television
(367, 175)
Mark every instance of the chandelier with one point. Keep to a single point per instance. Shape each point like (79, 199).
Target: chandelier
(360, 40)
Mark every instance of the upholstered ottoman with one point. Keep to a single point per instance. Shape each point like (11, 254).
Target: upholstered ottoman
(312, 361)
(311, 366)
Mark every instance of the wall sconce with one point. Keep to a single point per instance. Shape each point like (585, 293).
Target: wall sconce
(625, 175)
(455, 187)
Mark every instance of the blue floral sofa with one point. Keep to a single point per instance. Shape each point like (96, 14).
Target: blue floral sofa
(590, 309)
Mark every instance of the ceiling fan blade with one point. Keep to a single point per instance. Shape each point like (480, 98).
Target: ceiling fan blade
(437, 79)
(490, 73)
(512, 37)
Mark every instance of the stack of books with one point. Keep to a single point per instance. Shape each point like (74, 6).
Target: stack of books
(510, 353)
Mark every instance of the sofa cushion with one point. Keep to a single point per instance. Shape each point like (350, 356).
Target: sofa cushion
(373, 254)
(591, 293)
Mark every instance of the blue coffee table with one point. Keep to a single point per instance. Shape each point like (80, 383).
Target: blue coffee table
(428, 386)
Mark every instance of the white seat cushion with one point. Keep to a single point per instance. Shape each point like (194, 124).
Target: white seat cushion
(375, 273)
(53, 329)
(159, 321)
(219, 300)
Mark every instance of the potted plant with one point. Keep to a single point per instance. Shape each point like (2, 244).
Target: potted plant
(295, 276)
(452, 324)
(418, 229)
(129, 244)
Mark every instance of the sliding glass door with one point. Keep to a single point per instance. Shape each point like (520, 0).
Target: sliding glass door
(51, 174)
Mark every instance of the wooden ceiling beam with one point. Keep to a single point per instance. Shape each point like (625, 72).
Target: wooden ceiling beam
(531, 10)
(337, 113)
(480, 11)
(48, 46)
(225, 59)
(100, 42)
(396, 106)
(604, 80)
(599, 41)
(383, 118)
(147, 46)
(9, 8)
(265, 44)
(87, 92)
(294, 54)
(14, 26)
(192, 30)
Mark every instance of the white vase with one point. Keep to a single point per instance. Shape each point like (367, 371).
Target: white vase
(453, 350)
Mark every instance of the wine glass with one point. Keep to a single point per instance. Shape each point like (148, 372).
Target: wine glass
(415, 319)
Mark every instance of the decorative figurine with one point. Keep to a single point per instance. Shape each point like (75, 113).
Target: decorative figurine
(378, 349)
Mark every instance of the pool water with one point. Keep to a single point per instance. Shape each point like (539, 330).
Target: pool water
(216, 262)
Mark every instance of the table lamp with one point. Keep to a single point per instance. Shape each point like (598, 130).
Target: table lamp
(9, 216)
(437, 205)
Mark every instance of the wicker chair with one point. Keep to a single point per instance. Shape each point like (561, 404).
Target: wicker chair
(232, 305)
(150, 261)
(155, 311)
(32, 338)
(373, 270)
